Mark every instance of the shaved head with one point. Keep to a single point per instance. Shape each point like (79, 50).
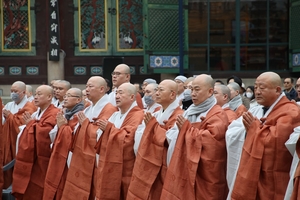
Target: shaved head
(202, 88)
(131, 89)
(95, 88)
(123, 68)
(166, 93)
(273, 78)
(20, 85)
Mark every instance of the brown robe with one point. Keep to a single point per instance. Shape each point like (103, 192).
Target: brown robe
(117, 157)
(150, 166)
(197, 168)
(139, 100)
(33, 157)
(240, 110)
(79, 182)
(10, 133)
(230, 114)
(265, 162)
(57, 169)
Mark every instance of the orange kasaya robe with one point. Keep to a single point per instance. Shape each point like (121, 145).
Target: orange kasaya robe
(117, 157)
(10, 133)
(265, 162)
(240, 110)
(296, 188)
(197, 168)
(33, 157)
(79, 183)
(150, 166)
(230, 114)
(57, 169)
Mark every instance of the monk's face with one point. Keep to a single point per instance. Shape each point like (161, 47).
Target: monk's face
(123, 98)
(200, 91)
(71, 99)
(297, 86)
(120, 76)
(61, 90)
(266, 93)
(219, 96)
(42, 97)
(164, 94)
(150, 91)
(93, 89)
(233, 93)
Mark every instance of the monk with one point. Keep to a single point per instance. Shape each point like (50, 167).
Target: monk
(34, 147)
(197, 151)
(222, 94)
(60, 89)
(120, 75)
(80, 182)
(262, 170)
(150, 98)
(13, 115)
(116, 145)
(66, 122)
(236, 103)
(151, 161)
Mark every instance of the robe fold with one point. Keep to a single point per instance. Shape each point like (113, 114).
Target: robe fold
(79, 182)
(240, 110)
(230, 114)
(197, 168)
(150, 166)
(10, 133)
(265, 162)
(57, 168)
(117, 156)
(296, 177)
(1, 150)
(33, 157)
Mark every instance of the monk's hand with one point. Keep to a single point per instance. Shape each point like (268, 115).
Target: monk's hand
(180, 121)
(102, 124)
(6, 113)
(27, 117)
(81, 117)
(60, 119)
(147, 117)
(248, 119)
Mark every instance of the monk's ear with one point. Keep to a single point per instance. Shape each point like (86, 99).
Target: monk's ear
(278, 90)
(211, 91)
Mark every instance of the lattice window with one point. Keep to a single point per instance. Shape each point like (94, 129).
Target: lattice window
(16, 27)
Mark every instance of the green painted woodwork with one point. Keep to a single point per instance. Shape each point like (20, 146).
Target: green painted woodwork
(161, 32)
(17, 28)
(294, 41)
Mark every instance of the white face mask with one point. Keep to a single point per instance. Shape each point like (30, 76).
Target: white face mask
(249, 95)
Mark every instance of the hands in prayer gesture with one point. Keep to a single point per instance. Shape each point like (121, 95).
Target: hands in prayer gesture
(102, 124)
(180, 121)
(27, 117)
(6, 113)
(60, 119)
(147, 117)
(247, 119)
(81, 117)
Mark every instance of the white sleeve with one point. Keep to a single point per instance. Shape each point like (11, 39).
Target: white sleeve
(53, 134)
(138, 136)
(291, 146)
(171, 136)
(21, 128)
(235, 137)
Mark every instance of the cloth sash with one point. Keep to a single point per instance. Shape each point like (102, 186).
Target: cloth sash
(235, 102)
(194, 111)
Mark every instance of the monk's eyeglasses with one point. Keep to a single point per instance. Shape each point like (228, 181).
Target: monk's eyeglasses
(68, 96)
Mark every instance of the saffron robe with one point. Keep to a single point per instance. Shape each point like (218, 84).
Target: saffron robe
(79, 182)
(240, 110)
(33, 156)
(116, 154)
(57, 169)
(265, 162)
(150, 166)
(197, 169)
(10, 133)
